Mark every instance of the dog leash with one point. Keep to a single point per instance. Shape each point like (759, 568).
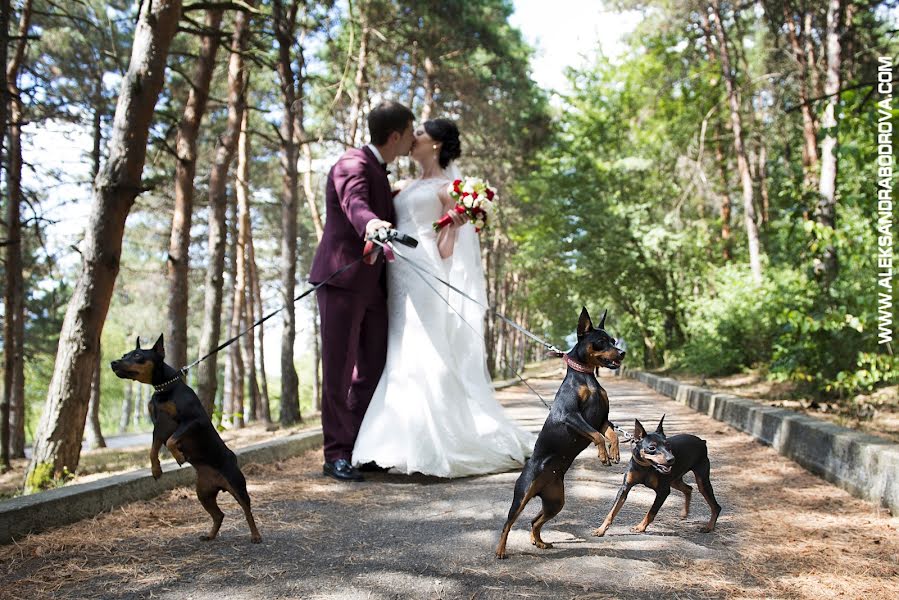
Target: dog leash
(421, 271)
(183, 370)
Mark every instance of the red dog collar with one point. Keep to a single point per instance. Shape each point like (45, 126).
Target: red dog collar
(577, 366)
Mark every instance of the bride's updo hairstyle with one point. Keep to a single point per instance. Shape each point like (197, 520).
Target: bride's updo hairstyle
(445, 132)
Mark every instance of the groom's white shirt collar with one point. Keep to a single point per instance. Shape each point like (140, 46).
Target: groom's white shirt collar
(377, 154)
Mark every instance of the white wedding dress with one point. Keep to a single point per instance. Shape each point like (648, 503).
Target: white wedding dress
(434, 411)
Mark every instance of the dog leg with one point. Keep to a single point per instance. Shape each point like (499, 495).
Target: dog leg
(207, 490)
(612, 436)
(661, 494)
(155, 468)
(553, 497)
(172, 445)
(704, 483)
(623, 491)
(237, 487)
(525, 489)
(688, 492)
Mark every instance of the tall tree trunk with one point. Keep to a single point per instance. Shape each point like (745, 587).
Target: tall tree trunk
(809, 126)
(127, 405)
(244, 275)
(8, 348)
(229, 411)
(185, 169)
(811, 61)
(285, 30)
(752, 232)
(825, 212)
(57, 444)
(15, 294)
(429, 86)
(360, 82)
(724, 196)
(242, 227)
(207, 376)
(264, 411)
(94, 432)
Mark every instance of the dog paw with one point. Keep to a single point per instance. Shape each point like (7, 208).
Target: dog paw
(500, 555)
(156, 471)
(543, 545)
(599, 531)
(206, 538)
(638, 528)
(706, 529)
(256, 538)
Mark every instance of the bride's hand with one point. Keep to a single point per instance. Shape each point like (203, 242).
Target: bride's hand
(459, 219)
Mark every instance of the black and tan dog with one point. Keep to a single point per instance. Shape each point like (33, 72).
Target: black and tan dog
(181, 423)
(660, 463)
(579, 416)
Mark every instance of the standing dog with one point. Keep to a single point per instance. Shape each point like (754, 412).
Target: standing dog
(659, 463)
(579, 416)
(181, 423)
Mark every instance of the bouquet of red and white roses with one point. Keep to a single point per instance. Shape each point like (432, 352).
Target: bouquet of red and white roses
(474, 197)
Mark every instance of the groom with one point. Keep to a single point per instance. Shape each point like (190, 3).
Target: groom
(353, 305)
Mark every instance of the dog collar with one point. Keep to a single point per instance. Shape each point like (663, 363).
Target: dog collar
(164, 387)
(577, 366)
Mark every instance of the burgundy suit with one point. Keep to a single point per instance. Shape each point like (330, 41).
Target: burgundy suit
(353, 305)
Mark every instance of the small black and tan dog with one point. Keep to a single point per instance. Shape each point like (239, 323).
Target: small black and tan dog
(181, 423)
(579, 416)
(660, 463)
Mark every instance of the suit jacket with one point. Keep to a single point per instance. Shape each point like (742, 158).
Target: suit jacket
(357, 192)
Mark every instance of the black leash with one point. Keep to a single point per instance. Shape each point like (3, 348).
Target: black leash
(420, 270)
(183, 370)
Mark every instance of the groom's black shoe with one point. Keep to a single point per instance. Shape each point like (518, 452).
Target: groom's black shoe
(342, 470)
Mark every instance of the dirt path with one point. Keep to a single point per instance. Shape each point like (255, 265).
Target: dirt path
(784, 533)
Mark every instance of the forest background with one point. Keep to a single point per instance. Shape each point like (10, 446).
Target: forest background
(713, 183)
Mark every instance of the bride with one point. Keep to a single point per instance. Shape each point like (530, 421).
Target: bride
(434, 411)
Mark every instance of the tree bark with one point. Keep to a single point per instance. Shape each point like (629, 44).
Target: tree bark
(14, 298)
(724, 197)
(811, 61)
(9, 352)
(285, 29)
(238, 304)
(127, 406)
(752, 232)
(207, 378)
(360, 81)
(264, 411)
(57, 444)
(94, 432)
(809, 126)
(229, 411)
(185, 169)
(429, 86)
(825, 266)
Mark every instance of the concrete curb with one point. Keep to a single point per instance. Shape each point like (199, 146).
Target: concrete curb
(27, 514)
(864, 465)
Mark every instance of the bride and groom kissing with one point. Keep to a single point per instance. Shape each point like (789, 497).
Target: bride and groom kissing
(405, 384)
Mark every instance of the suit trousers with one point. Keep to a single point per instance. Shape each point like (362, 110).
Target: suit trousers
(354, 350)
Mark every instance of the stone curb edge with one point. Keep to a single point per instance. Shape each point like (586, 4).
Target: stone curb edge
(862, 464)
(38, 512)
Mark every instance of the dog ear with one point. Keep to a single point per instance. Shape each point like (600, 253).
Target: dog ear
(138, 343)
(159, 347)
(584, 324)
(659, 429)
(639, 432)
(602, 321)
